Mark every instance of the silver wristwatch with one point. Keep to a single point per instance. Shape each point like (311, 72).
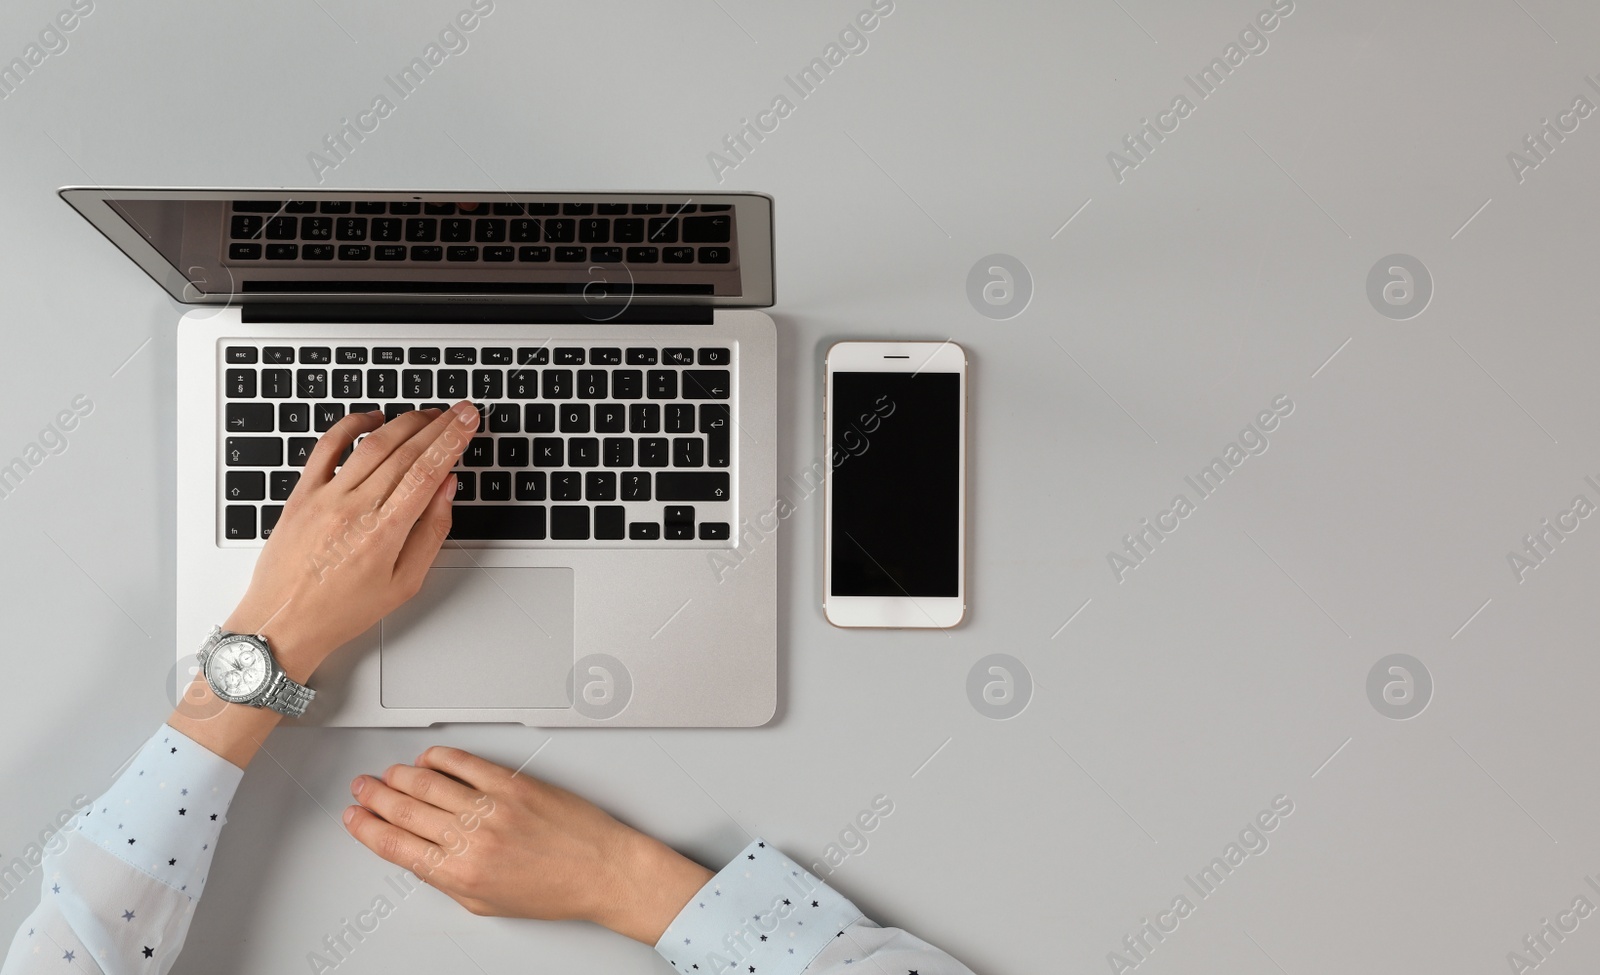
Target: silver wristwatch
(241, 670)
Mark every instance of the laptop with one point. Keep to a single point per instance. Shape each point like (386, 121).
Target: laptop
(627, 376)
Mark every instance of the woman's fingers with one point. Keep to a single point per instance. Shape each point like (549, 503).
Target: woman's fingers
(378, 445)
(406, 479)
(433, 788)
(398, 846)
(479, 773)
(411, 814)
(331, 446)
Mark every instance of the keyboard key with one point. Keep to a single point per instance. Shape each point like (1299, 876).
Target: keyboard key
(347, 383)
(662, 230)
(557, 384)
(610, 208)
(386, 230)
(533, 357)
(439, 208)
(389, 356)
(688, 452)
(278, 355)
(647, 208)
(627, 384)
(393, 411)
(653, 452)
(523, 384)
(678, 514)
(505, 418)
(240, 383)
(677, 255)
(245, 486)
(560, 231)
(277, 383)
(317, 252)
(325, 415)
(713, 530)
(530, 485)
(282, 228)
(609, 521)
(692, 486)
(548, 451)
(455, 231)
(510, 521)
(641, 357)
(382, 383)
(300, 450)
(499, 254)
(389, 252)
(270, 513)
(708, 230)
(497, 356)
(537, 254)
(370, 206)
(715, 207)
(354, 252)
(643, 255)
(509, 209)
(574, 418)
(405, 207)
(679, 418)
(239, 521)
(663, 384)
(610, 418)
(715, 255)
(513, 451)
(240, 355)
(706, 383)
(591, 384)
(566, 486)
(605, 255)
(350, 228)
(466, 486)
(335, 206)
(479, 453)
(421, 230)
(462, 252)
(569, 522)
(423, 356)
(539, 418)
(453, 384)
(281, 484)
(677, 357)
(416, 383)
(351, 356)
(248, 418)
(494, 486)
(489, 231)
(300, 206)
(311, 383)
(583, 452)
(427, 252)
(524, 231)
(644, 531)
(572, 254)
(316, 228)
(644, 418)
(712, 357)
(244, 252)
(676, 532)
(488, 384)
(629, 231)
(245, 227)
(636, 486)
(294, 417)
(594, 231)
(682, 207)
(618, 452)
(716, 422)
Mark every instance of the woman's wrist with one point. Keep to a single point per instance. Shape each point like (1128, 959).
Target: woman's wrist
(653, 882)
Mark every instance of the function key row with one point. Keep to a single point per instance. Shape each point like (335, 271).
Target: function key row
(481, 207)
(244, 355)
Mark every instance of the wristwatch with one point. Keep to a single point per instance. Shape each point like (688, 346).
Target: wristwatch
(241, 670)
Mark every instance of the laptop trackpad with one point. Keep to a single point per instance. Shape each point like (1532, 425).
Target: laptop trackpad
(481, 638)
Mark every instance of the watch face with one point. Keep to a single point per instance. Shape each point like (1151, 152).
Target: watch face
(237, 669)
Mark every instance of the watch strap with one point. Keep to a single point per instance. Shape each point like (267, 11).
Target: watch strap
(287, 697)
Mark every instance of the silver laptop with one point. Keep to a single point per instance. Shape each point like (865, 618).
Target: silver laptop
(595, 573)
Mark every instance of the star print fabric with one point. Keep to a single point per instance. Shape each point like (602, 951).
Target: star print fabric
(764, 914)
(118, 896)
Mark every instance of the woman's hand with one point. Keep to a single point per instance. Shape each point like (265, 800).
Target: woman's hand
(353, 546)
(507, 845)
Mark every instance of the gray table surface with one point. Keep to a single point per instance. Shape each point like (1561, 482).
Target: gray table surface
(1169, 307)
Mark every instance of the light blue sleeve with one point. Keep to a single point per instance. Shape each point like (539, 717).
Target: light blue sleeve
(119, 887)
(764, 914)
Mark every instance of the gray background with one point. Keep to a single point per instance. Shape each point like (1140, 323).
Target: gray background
(1224, 271)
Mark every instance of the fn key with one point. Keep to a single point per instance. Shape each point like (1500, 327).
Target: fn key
(239, 521)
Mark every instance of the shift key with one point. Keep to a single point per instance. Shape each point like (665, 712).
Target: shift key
(253, 451)
(692, 486)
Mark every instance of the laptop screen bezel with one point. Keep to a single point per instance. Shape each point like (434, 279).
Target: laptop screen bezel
(753, 213)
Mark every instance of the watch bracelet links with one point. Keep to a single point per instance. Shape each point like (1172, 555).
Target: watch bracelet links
(288, 697)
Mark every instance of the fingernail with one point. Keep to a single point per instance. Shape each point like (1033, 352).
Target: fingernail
(349, 815)
(376, 413)
(357, 785)
(466, 413)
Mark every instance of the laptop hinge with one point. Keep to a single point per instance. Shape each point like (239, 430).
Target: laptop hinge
(452, 313)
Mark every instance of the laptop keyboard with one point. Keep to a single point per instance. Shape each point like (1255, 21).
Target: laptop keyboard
(579, 442)
(488, 233)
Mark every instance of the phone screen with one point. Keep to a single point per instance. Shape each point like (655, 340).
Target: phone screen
(896, 483)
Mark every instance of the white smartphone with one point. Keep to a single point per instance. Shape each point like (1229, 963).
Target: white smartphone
(895, 422)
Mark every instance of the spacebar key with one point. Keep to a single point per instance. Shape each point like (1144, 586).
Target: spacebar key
(475, 522)
(692, 486)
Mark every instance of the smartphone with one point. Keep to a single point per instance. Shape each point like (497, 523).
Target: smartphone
(895, 435)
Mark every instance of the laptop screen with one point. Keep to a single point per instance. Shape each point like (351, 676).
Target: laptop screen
(207, 246)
